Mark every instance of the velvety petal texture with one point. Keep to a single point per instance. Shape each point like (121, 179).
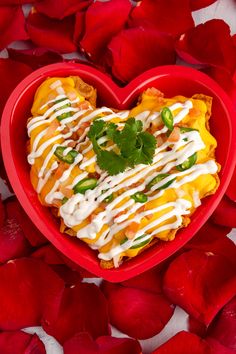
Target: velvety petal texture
(18, 342)
(225, 213)
(199, 4)
(61, 8)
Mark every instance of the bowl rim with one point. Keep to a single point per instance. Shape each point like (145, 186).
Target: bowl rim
(122, 94)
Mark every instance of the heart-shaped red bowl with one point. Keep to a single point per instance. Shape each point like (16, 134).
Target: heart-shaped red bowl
(172, 80)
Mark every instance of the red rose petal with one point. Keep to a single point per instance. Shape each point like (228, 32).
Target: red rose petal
(135, 50)
(199, 4)
(172, 17)
(32, 234)
(11, 73)
(196, 327)
(186, 343)
(28, 287)
(103, 20)
(2, 212)
(225, 213)
(48, 254)
(79, 27)
(209, 43)
(83, 343)
(223, 328)
(218, 348)
(212, 275)
(83, 308)
(138, 313)
(231, 190)
(12, 25)
(36, 57)
(69, 276)
(16, 2)
(17, 342)
(61, 8)
(53, 34)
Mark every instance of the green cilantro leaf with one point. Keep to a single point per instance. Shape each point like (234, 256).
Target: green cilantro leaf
(111, 162)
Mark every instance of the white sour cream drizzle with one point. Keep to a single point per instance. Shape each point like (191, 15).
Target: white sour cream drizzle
(81, 206)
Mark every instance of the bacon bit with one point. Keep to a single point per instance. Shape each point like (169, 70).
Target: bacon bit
(194, 112)
(66, 191)
(65, 130)
(94, 175)
(83, 127)
(131, 230)
(72, 144)
(175, 135)
(61, 168)
(152, 91)
(74, 136)
(52, 128)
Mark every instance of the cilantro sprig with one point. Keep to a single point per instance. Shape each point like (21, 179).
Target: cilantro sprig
(135, 146)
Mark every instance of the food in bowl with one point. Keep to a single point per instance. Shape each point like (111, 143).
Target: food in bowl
(120, 180)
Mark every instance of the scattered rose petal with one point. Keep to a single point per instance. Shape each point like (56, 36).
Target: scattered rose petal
(36, 57)
(83, 308)
(231, 190)
(186, 343)
(218, 348)
(211, 274)
(103, 20)
(12, 25)
(48, 254)
(223, 328)
(17, 342)
(225, 213)
(138, 313)
(199, 4)
(196, 327)
(70, 276)
(2, 212)
(11, 73)
(32, 234)
(84, 344)
(172, 17)
(50, 33)
(61, 8)
(28, 287)
(135, 50)
(79, 27)
(16, 2)
(209, 43)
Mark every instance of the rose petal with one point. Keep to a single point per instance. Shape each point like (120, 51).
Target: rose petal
(138, 313)
(83, 308)
(196, 327)
(172, 17)
(28, 287)
(231, 190)
(79, 27)
(69, 276)
(32, 234)
(225, 213)
(13, 243)
(74, 266)
(186, 343)
(17, 342)
(209, 43)
(11, 73)
(103, 20)
(223, 328)
(2, 212)
(212, 275)
(135, 50)
(213, 238)
(36, 57)
(61, 8)
(48, 254)
(83, 343)
(199, 4)
(53, 34)
(12, 25)
(16, 2)
(218, 348)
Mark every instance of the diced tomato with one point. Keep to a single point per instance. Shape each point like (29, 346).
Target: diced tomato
(175, 135)
(131, 230)
(51, 129)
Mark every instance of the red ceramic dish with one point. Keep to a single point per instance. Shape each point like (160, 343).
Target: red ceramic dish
(172, 80)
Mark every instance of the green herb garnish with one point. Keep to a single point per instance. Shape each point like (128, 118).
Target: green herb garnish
(187, 163)
(85, 184)
(159, 178)
(68, 158)
(167, 118)
(137, 245)
(139, 197)
(63, 115)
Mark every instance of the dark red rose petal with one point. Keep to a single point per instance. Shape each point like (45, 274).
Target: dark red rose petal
(79, 27)
(49, 33)
(231, 190)
(48, 254)
(84, 273)
(196, 327)
(223, 328)
(201, 283)
(172, 17)
(83, 343)
(209, 43)
(16, 2)
(12, 25)
(83, 308)
(61, 8)
(103, 20)
(28, 287)
(199, 4)
(18, 342)
(36, 57)
(32, 234)
(225, 213)
(135, 50)
(186, 343)
(218, 348)
(213, 238)
(11, 73)
(2, 212)
(70, 276)
(138, 313)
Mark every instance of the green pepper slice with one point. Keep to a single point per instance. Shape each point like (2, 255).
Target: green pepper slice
(159, 178)
(109, 198)
(167, 118)
(64, 200)
(139, 197)
(187, 163)
(63, 115)
(68, 158)
(187, 129)
(141, 244)
(85, 184)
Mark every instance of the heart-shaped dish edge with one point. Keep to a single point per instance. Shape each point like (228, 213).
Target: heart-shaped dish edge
(117, 97)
